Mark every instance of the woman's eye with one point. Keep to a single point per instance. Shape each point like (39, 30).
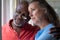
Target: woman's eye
(33, 9)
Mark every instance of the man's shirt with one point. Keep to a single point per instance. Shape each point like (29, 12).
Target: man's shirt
(43, 34)
(27, 32)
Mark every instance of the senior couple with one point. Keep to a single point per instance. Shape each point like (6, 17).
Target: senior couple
(45, 20)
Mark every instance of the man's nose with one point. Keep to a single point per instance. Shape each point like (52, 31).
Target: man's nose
(20, 16)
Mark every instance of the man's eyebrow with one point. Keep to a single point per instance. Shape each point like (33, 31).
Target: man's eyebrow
(18, 11)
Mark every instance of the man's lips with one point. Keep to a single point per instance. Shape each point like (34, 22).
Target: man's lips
(18, 20)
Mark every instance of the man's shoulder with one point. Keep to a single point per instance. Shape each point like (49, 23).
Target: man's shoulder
(30, 27)
(6, 26)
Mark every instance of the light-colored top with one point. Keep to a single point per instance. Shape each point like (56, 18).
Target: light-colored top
(43, 34)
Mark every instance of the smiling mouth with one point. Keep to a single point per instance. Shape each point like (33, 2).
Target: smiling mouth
(18, 20)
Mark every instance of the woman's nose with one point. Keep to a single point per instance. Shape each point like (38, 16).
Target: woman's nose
(30, 15)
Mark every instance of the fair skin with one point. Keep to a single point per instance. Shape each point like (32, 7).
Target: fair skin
(36, 13)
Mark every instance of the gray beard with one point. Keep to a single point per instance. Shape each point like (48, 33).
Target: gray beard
(31, 22)
(19, 25)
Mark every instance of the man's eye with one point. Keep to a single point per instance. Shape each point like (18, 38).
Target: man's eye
(23, 14)
(24, 17)
(18, 12)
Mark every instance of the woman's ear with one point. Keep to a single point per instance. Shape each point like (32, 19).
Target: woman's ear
(45, 10)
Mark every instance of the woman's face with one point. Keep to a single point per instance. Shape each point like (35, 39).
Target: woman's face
(36, 12)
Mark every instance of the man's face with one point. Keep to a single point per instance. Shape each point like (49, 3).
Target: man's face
(21, 15)
(36, 12)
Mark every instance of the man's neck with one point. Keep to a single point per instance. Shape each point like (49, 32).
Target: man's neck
(17, 29)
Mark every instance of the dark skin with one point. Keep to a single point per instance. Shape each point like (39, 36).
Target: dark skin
(21, 11)
(55, 30)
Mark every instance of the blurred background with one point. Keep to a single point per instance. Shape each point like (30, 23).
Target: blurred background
(8, 8)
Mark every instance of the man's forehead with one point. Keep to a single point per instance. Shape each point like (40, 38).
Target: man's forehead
(21, 7)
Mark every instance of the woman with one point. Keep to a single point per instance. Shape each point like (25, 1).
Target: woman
(43, 15)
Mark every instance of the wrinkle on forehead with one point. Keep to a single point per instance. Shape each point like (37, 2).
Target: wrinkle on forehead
(21, 7)
(37, 5)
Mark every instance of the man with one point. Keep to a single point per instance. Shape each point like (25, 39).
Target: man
(18, 28)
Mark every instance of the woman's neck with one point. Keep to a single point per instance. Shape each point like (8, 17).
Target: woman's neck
(43, 24)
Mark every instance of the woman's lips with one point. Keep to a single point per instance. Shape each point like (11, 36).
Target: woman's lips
(32, 18)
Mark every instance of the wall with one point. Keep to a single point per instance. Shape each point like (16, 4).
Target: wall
(56, 5)
(8, 7)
